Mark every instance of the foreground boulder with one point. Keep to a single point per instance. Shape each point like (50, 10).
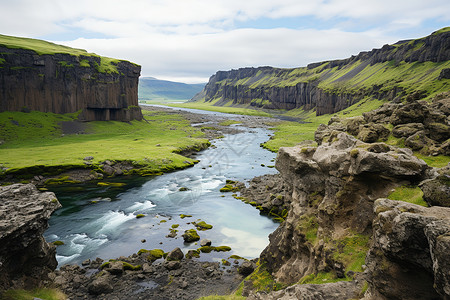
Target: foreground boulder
(409, 256)
(25, 257)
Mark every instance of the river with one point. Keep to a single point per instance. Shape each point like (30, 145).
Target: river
(101, 221)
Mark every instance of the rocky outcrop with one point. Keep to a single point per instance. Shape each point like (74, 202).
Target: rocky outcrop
(25, 257)
(332, 189)
(422, 126)
(311, 87)
(409, 257)
(63, 83)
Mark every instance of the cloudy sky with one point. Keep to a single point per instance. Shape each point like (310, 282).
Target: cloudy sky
(189, 40)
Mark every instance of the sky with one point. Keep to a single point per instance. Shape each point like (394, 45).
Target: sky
(190, 40)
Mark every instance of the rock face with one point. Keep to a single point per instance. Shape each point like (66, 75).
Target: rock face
(275, 88)
(25, 257)
(332, 189)
(63, 83)
(409, 256)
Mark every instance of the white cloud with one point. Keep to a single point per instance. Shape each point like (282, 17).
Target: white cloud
(195, 38)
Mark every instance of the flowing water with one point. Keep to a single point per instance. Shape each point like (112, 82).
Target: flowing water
(101, 221)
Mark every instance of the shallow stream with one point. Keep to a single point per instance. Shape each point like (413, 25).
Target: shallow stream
(101, 221)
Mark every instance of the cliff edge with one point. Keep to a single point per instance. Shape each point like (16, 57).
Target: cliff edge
(420, 67)
(38, 75)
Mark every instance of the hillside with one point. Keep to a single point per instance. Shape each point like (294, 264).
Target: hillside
(154, 89)
(420, 67)
(42, 76)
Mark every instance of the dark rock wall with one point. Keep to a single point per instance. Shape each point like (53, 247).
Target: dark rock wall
(62, 83)
(25, 257)
(224, 85)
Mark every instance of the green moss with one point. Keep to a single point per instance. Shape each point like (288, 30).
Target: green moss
(192, 253)
(229, 188)
(185, 216)
(138, 216)
(40, 293)
(235, 257)
(208, 249)
(222, 297)
(175, 226)
(58, 243)
(308, 225)
(191, 235)
(261, 280)
(351, 251)
(229, 122)
(65, 64)
(113, 184)
(411, 194)
(202, 225)
(152, 254)
(85, 63)
(128, 266)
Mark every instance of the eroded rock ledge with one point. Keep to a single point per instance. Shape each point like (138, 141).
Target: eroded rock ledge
(25, 257)
(338, 213)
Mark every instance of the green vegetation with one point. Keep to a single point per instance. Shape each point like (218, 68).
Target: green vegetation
(434, 161)
(225, 297)
(185, 216)
(411, 194)
(152, 254)
(58, 243)
(107, 65)
(43, 293)
(308, 225)
(138, 216)
(202, 225)
(191, 235)
(208, 249)
(35, 141)
(351, 251)
(261, 280)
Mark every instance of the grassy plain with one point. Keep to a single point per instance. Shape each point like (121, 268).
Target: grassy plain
(36, 138)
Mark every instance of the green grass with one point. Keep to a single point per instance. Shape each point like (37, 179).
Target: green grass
(107, 65)
(411, 194)
(225, 297)
(434, 161)
(320, 278)
(45, 294)
(351, 251)
(36, 139)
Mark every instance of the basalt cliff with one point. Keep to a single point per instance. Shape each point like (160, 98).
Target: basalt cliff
(37, 75)
(420, 67)
(342, 238)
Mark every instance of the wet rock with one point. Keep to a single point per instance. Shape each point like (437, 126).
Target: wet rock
(247, 268)
(115, 268)
(172, 265)
(101, 285)
(190, 236)
(205, 242)
(175, 254)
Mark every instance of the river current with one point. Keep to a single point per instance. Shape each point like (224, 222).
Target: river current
(101, 221)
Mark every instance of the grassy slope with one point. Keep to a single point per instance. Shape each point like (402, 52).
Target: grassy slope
(107, 64)
(36, 139)
(357, 76)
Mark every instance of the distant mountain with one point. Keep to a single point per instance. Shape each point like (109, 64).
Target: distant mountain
(154, 89)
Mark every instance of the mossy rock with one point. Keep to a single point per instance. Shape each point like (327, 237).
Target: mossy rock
(128, 266)
(183, 189)
(185, 216)
(202, 225)
(58, 243)
(152, 254)
(138, 216)
(208, 249)
(113, 184)
(190, 236)
(229, 188)
(192, 253)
